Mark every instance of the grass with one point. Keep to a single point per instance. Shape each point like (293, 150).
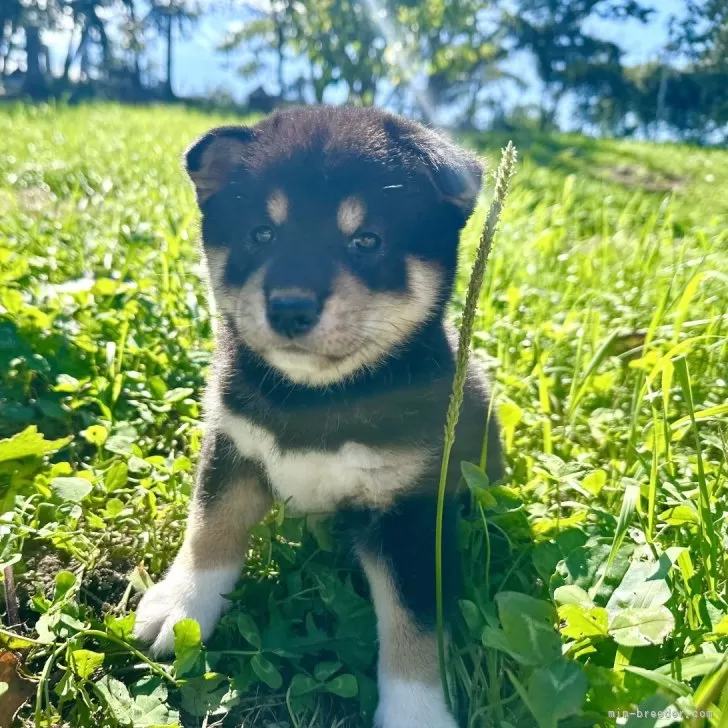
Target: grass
(596, 576)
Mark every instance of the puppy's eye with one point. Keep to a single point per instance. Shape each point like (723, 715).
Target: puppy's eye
(366, 242)
(262, 235)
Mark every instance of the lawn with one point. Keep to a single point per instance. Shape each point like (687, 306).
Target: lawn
(596, 574)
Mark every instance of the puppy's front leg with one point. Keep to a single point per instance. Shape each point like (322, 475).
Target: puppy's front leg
(397, 553)
(230, 496)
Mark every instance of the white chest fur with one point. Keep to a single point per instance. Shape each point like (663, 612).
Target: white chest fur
(314, 481)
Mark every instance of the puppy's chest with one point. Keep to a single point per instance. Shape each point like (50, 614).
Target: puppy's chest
(315, 480)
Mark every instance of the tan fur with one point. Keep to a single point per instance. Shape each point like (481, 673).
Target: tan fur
(350, 215)
(217, 161)
(217, 532)
(357, 329)
(277, 206)
(293, 292)
(405, 652)
(215, 260)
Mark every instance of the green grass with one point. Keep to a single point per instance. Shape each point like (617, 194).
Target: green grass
(595, 574)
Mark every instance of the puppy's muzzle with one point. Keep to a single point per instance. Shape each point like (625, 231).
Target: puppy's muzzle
(293, 313)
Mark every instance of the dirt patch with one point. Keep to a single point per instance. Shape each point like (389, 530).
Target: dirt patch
(38, 576)
(643, 178)
(42, 571)
(33, 200)
(105, 584)
(101, 587)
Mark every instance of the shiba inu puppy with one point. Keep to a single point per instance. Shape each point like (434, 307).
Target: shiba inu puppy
(331, 239)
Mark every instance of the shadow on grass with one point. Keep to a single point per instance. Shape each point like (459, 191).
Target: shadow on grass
(614, 161)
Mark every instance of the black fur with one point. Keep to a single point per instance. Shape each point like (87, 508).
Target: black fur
(220, 466)
(404, 537)
(419, 190)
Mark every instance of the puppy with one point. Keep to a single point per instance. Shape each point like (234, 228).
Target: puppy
(331, 239)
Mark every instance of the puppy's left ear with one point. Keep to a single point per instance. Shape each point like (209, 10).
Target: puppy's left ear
(211, 158)
(455, 173)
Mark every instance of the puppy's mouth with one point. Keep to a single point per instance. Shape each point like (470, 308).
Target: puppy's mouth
(304, 352)
(305, 366)
(294, 348)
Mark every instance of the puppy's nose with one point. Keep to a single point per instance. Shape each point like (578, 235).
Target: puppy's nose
(293, 313)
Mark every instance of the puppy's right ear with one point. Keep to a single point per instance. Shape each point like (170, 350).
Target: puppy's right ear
(211, 158)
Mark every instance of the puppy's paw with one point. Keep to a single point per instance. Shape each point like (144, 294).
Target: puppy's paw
(182, 594)
(411, 704)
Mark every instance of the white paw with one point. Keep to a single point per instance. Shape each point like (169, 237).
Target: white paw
(182, 594)
(411, 704)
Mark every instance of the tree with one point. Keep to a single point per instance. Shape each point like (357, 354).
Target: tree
(336, 37)
(131, 44)
(377, 49)
(457, 46)
(36, 17)
(687, 91)
(702, 36)
(90, 27)
(11, 13)
(165, 16)
(567, 58)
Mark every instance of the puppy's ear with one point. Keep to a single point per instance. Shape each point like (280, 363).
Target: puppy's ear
(455, 173)
(211, 158)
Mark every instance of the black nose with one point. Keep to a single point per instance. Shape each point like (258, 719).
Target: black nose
(293, 314)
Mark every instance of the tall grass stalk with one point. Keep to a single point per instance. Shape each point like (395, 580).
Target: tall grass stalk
(709, 545)
(502, 178)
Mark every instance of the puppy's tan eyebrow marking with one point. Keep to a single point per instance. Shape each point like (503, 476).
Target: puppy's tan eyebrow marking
(277, 206)
(350, 215)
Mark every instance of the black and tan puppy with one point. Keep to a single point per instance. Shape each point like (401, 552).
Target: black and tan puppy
(331, 237)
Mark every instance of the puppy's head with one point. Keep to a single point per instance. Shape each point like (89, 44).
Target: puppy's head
(330, 233)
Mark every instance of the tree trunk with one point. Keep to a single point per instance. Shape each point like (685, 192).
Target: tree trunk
(137, 76)
(280, 49)
(7, 40)
(168, 92)
(71, 54)
(136, 53)
(3, 36)
(81, 52)
(35, 82)
(104, 42)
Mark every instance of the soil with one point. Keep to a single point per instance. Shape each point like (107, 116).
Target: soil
(649, 180)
